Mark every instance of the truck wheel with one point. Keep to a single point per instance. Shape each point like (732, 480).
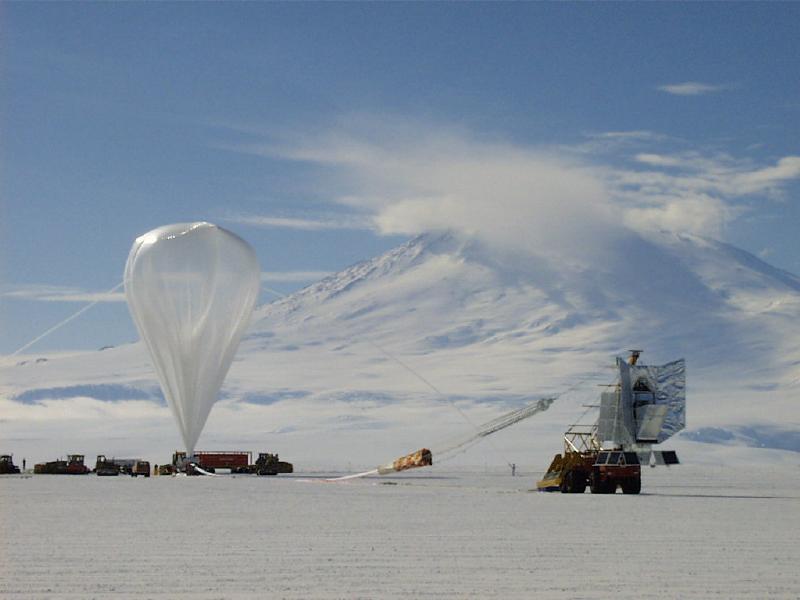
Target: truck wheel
(574, 482)
(598, 486)
(578, 482)
(632, 486)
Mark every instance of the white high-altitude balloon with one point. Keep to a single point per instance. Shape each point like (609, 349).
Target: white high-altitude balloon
(191, 288)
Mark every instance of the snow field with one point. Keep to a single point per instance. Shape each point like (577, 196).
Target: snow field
(699, 532)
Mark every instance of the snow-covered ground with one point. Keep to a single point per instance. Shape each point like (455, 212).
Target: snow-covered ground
(695, 532)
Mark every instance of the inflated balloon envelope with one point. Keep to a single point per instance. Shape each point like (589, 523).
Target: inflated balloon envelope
(191, 288)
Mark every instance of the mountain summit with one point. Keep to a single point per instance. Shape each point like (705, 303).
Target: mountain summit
(443, 297)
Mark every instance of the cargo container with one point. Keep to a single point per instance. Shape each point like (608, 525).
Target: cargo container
(234, 460)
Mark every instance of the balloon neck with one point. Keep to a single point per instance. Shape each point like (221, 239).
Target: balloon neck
(184, 460)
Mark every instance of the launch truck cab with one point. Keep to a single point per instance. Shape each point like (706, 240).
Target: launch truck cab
(614, 468)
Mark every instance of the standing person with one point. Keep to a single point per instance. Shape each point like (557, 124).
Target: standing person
(23, 465)
(513, 469)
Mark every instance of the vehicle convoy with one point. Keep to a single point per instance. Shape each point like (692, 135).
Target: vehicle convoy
(236, 461)
(134, 467)
(646, 406)
(72, 466)
(7, 466)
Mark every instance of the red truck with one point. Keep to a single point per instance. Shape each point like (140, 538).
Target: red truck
(235, 460)
(72, 466)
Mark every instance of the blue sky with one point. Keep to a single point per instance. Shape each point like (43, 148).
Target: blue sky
(327, 133)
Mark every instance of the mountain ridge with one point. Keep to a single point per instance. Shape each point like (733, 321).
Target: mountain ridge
(492, 329)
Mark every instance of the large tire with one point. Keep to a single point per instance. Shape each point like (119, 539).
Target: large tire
(566, 483)
(598, 486)
(578, 482)
(632, 485)
(574, 482)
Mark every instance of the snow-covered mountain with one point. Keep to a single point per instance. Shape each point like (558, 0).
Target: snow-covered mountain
(402, 350)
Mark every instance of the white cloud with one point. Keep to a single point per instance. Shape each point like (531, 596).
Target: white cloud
(719, 175)
(407, 178)
(305, 224)
(696, 193)
(766, 178)
(700, 214)
(632, 135)
(51, 293)
(294, 276)
(414, 179)
(658, 160)
(691, 88)
(608, 142)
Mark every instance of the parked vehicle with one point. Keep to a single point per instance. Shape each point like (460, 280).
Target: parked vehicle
(7, 466)
(106, 468)
(271, 464)
(236, 461)
(645, 407)
(72, 466)
(140, 467)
